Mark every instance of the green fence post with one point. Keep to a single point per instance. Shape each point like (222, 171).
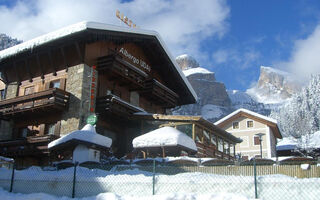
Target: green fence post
(12, 176)
(255, 178)
(154, 176)
(74, 179)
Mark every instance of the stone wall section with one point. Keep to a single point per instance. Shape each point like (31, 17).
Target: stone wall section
(78, 84)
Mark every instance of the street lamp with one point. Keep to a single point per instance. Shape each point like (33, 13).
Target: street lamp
(260, 140)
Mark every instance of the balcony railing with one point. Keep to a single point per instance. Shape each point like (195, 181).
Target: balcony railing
(114, 104)
(31, 145)
(122, 71)
(158, 92)
(53, 98)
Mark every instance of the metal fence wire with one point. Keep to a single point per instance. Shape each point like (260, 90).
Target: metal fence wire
(150, 177)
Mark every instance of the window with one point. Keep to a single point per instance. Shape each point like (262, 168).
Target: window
(214, 140)
(55, 84)
(226, 147)
(256, 140)
(250, 124)
(50, 129)
(29, 90)
(220, 145)
(235, 125)
(206, 136)
(185, 128)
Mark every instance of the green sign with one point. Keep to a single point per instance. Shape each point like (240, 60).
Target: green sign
(92, 119)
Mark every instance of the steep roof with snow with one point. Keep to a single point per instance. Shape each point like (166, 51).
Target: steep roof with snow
(87, 26)
(162, 137)
(252, 115)
(87, 135)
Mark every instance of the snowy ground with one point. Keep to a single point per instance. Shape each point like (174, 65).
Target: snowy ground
(137, 184)
(4, 195)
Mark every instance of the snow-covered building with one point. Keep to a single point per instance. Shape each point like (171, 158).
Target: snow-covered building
(211, 141)
(54, 82)
(82, 145)
(246, 124)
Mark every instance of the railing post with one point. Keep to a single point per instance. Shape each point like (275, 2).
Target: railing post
(12, 176)
(153, 178)
(74, 179)
(255, 178)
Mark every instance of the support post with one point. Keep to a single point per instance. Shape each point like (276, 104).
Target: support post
(154, 177)
(255, 178)
(74, 179)
(12, 176)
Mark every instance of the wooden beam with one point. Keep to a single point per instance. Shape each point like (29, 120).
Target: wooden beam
(17, 74)
(64, 58)
(39, 65)
(51, 63)
(79, 51)
(26, 65)
(5, 76)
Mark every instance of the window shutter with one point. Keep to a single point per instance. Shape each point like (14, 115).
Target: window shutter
(256, 140)
(42, 128)
(47, 85)
(57, 128)
(63, 83)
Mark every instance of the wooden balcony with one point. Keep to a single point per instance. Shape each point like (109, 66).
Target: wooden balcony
(159, 93)
(33, 145)
(115, 105)
(40, 103)
(122, 71)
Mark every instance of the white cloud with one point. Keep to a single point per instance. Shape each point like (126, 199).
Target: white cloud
(242, 59)
(182, 24)
(305, 57)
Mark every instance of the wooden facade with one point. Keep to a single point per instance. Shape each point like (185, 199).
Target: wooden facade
(211, 141)
(52, 86)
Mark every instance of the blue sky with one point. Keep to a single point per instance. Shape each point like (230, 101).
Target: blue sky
(232, 38)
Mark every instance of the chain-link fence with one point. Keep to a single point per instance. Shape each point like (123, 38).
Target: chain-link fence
(148, 177)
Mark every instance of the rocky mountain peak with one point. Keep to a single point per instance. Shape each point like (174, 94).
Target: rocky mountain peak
(274, 86)
(187, 62)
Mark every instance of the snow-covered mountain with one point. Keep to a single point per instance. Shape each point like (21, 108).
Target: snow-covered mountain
(213, 100)
(6, 41)
(274, 86)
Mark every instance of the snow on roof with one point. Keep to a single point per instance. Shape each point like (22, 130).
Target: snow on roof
(6, 159)
(81, 26)
(198, 70)
(248, 112)
(165, 136)
(86, 134)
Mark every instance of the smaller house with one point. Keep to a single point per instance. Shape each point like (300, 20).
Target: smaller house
(82, 145)
(247, 125)
(165, 141)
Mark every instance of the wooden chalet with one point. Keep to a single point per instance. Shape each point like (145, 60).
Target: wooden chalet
(211, 141)
(54, 82)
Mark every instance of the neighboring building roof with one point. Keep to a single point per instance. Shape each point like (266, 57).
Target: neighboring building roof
(185, 118)
(163, 137)
(86, 135)
(272, 123)
(84, 26)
